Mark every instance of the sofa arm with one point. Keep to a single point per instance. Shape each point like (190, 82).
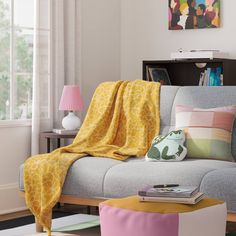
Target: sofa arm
(221, 184)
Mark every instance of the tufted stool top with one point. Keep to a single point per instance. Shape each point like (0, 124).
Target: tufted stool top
(133, 203)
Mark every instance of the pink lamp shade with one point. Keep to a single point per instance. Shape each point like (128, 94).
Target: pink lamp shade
(71, 99)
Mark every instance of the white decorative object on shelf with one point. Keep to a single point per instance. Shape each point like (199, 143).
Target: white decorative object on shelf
(201, 54)
(200, 65)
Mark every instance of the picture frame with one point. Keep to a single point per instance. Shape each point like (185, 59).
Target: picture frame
(193, 14)
(159, 75)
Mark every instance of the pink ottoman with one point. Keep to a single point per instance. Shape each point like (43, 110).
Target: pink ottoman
(129, 217)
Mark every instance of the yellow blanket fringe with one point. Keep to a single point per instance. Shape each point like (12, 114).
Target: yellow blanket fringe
(121, 121)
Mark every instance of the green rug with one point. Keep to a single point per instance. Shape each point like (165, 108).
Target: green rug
(77, 224)
(80, 226)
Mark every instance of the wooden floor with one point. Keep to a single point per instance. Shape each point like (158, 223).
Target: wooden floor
(231, 226)
(62, 208)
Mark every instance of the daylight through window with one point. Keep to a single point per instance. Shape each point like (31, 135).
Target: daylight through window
(16, 58)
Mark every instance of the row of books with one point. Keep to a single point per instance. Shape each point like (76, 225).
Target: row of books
(171, 193)
(211, 77)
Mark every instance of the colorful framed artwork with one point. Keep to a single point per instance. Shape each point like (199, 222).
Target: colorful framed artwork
(193, 14)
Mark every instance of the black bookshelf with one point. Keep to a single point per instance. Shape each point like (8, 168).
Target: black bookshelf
(186, 73)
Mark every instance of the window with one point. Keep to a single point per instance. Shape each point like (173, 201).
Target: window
(16, 58)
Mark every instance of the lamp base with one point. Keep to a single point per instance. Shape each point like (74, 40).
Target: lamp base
(71, 121)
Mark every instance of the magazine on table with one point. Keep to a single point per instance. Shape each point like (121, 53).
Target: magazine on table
(184, 200)
(169, 191)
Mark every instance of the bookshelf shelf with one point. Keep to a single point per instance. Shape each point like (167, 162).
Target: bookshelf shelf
(187, 73)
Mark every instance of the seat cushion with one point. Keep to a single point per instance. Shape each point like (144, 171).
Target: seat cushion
(85, 176)
(107, 178)
(128, 177)
(221, 184)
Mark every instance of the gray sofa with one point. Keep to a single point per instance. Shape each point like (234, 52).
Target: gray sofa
(92, 178)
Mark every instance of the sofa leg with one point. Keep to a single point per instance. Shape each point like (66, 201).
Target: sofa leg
(39, 227)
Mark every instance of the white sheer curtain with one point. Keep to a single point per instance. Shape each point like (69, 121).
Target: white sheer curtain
(54, 61)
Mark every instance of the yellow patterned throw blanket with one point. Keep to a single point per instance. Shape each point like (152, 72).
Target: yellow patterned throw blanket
(121, 121)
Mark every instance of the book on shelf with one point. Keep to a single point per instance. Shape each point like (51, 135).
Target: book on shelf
(184, 200)
(148, 78)
(176, 191)
(211, 77)
(221, 80)
(202, 79)
(64, 131)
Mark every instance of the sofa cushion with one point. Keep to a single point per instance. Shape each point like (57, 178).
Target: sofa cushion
(167, 96)
(103, 177)
(205, 97)
(130, 176)
(85, 176)
(221, 184)
(208, 131)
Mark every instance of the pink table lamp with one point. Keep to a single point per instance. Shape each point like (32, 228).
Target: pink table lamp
(71, 101)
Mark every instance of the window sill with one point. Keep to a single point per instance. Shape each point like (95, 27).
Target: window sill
(15, 123)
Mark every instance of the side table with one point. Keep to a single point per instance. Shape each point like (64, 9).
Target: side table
(51, 135)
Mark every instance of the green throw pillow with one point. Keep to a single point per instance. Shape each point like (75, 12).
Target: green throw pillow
(168, 148)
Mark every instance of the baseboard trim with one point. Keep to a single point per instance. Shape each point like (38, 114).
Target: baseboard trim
(8, 186)
(13, 210)
(10, 201)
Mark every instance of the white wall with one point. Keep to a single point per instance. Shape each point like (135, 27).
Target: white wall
(145, 34)
(14, 149)
(99, 45)
(115, 36)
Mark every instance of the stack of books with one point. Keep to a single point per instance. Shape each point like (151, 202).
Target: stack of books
(211, 77)
(173, 193)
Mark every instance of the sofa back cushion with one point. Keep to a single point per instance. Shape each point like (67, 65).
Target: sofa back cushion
(167, 96)
(204, 97)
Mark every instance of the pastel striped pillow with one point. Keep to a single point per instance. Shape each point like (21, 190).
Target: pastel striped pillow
(208, 131)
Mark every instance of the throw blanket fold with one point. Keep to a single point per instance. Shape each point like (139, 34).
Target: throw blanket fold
(121, 121)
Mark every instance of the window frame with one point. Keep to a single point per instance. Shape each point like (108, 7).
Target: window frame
(12, 121)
